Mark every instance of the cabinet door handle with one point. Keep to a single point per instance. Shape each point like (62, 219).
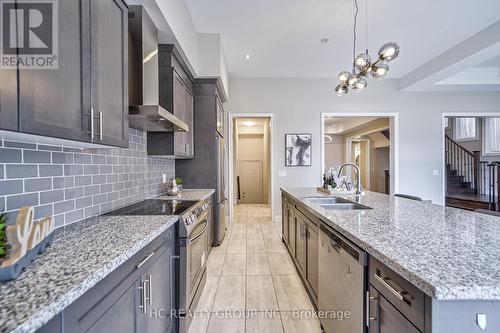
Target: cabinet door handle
(398, 294)
(145, 259)
(143, 298)
(91, 124)
(150, 289)
(100, 125)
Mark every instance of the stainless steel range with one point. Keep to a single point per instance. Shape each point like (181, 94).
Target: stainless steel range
(194, 222)
(193, 234)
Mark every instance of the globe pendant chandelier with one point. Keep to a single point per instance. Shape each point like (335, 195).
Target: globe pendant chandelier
(362, 65)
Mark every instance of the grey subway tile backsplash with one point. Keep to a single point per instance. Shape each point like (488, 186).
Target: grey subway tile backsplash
(51, 196)
(83, 159)
(36, 156)
(83, 202)
(48, 170)
(83, 180)
(15, 144)
(43, 211)
(37, 184)
(99, 179)
(75, 215)
(11, 187)
(74, 183)
(49, 148)
(73, 193)
(21, 170)
(73, 170)
(91, 190)
(20, 200)
(64, 206)
(9, 155)
(62, 158)
(91, 169)
(63, 182)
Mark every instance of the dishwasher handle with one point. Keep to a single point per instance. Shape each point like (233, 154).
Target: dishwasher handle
(340, 244)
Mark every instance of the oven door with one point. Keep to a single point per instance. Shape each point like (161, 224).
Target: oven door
(197, 256)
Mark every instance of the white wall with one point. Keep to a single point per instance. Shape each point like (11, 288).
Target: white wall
(298, 104)
(334, 151)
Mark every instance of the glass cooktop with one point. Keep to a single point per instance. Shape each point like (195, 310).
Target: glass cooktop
(155, 207)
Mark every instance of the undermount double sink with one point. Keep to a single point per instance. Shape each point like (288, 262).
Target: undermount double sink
(336, 203)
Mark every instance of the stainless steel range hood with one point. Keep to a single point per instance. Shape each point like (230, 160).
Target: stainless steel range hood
(145, 111)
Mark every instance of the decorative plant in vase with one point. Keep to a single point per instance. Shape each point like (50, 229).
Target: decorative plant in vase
(179, 182)
(3, 237)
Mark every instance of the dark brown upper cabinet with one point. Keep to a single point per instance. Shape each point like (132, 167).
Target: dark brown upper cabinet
(86, 97)
(176, 96)
(8, 99)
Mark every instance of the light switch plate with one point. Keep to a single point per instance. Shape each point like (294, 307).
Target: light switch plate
(164, 178)
(435, 172)
(282, 173)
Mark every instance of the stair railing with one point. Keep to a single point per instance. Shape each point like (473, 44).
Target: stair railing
(494, 185)
(465, 162)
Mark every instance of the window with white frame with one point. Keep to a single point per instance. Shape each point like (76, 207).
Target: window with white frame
(465, 129)
(491, 136)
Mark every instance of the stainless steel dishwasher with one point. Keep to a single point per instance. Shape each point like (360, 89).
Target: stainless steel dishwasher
(341, 294)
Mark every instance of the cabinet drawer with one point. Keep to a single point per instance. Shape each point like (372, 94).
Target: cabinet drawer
(403, 295)
(385, 318)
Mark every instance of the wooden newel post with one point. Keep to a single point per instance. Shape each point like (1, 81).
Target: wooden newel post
(476, 181)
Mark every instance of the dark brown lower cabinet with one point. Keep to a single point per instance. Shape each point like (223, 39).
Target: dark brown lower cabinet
(313, 258)
(121, 316)
(301, 242)
(385, 318)
(138, 296)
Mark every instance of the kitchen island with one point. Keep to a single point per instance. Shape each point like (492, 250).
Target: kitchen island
(449, 255)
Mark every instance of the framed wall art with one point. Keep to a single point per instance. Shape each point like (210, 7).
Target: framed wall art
(298, 149)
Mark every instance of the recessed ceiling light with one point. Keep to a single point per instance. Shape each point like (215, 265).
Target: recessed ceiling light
(249, 123)
(247, 56)
(326, 40)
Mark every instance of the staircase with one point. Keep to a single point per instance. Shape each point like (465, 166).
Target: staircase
(466, 183)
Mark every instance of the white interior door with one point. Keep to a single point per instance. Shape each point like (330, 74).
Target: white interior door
(250, 181)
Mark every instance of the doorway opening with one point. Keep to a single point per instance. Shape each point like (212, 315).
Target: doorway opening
(367, 141)
(252, 161)
(471, 161)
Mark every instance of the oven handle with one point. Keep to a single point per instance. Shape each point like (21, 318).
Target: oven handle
(200, 234)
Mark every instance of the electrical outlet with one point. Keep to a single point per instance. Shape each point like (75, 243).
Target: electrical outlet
(164, 178)
(282, 173)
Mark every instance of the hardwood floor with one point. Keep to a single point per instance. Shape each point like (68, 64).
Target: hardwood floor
(252, 285)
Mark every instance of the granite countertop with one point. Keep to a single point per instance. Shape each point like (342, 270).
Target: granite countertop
(82, 254)
(190, 194)
(448, 253)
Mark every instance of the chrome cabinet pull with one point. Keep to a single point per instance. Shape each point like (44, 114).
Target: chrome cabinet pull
(145, 259)
(150, 281)
(368, 317)
(143, 298)
(100, 125)
(91, 124)
(398, 294)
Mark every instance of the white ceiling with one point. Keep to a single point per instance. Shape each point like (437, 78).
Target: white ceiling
(340, 125)
(283, 36)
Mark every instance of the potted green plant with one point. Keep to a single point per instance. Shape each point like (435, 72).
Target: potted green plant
(179, 182)
(3, 238)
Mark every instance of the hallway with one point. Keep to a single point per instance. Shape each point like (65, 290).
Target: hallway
(252, 285)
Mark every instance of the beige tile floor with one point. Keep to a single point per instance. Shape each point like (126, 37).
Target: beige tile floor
(252, 285)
